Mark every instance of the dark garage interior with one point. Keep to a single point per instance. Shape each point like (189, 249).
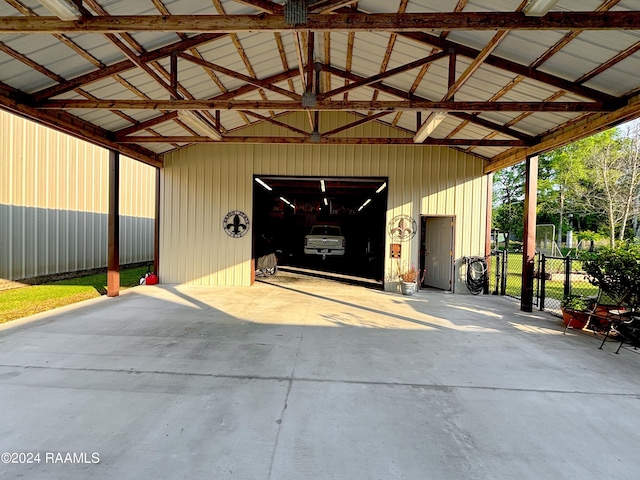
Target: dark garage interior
(286, 208)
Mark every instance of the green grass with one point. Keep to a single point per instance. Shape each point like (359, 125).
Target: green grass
(21, 302)
(554, 289)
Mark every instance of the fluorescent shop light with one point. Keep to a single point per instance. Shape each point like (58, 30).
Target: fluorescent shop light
(366, 202)
(381, 187)
(63, 9)
(198, 124)
(325, 201)
(323, 188)
(539, 8)
(429, 125)
(285, 200)
(263, 184)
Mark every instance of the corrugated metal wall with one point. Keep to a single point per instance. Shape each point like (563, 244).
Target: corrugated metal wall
(53, 203)
(201, 184)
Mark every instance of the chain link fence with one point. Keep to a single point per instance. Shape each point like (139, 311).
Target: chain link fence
(560, 277)
(554, 279)
(497, 278)
(505, 274)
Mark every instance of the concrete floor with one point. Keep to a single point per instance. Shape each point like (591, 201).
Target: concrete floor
(313, 380)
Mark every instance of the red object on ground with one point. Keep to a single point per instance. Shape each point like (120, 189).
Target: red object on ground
(152, 279)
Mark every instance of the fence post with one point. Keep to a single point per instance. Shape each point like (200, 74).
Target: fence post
(567, 276)
(542, 277)
(487, 277)
(497, 289)
(505, 266)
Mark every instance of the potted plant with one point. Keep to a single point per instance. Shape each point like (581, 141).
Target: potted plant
(575, 311)
(408, 280)
(616, 271)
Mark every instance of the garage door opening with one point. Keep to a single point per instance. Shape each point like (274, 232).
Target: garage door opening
(287, 209)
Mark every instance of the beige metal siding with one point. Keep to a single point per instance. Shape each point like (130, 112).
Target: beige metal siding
(199, 188)
(53, 203)
(201, 184)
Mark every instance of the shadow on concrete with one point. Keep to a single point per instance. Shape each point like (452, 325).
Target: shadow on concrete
(198, 382)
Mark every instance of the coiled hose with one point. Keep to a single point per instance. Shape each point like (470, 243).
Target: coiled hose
(477, 271)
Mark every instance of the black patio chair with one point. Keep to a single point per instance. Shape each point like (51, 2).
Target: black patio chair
(616, 318)
(629, 331)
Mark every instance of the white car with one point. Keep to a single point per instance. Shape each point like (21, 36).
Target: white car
(324, 240)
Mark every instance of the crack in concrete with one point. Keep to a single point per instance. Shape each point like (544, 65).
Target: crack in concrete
(286, 402)
(291, 378)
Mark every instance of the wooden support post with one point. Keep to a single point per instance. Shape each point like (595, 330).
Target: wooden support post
(316, 117)
(113, 230)
(452, 71)
(310, 64)
(173, 74)
(156, 228)
(487, 233)
(529, 237)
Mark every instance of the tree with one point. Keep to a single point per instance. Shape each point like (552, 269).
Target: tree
(613, 161)
(632, 178)
(562, 174)
(508, 200)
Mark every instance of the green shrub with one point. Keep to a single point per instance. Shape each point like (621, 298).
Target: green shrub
(616, 271)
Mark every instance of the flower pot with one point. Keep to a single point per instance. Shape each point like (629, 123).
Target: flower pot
(578, 319)
(408, 288)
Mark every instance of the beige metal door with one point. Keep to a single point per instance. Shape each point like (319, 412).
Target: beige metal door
(438, 248)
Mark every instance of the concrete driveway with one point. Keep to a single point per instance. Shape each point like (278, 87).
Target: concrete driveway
(312, 380)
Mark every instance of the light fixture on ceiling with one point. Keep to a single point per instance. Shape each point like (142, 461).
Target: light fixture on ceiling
(198, 124)
(429, 125)
(366, 202)
(381, 187)
(261, 182)
(539, 8)
(63, 9)
(323, 187)
(285, 200)
(326, 203)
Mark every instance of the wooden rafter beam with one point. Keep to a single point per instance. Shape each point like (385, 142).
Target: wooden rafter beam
(30, 63)
(455, 84)
(513, 67)
(146, 124)
(345, 22)
(357, 123)
(265, 6)
(388, 52)
(407, 105)
(410, 96)
(327, 140)
(381, 76)
(475, 64)
(239, 76)
(570, 36)
(579, 129)
(273, 121)
(65, 123)
(279, 77)
(133, 56)
(309, 65)
(116, 68)
(626, 53)
(328, 6)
